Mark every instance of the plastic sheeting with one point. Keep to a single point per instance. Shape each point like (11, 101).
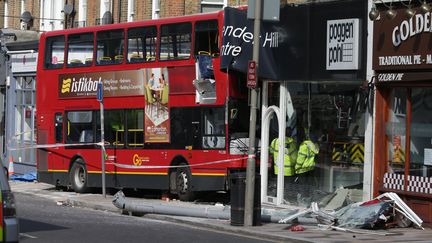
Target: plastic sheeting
(365, 216)
(29, 177)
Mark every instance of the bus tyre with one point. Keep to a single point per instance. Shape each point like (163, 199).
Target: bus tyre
(78, 177)
(183, 184)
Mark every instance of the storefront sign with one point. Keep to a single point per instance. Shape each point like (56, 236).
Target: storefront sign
(403, 43)
(403, 77)
(24, 63)
(282, 44)
(310, 42)
(342, 44)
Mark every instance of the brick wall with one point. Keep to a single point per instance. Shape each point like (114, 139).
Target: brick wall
(92, 12)
(124, 11)
(14, 8)
(2, 13)
(171, 8)
(234, 2)
(142, 10)
(192, 7)
(34, 8)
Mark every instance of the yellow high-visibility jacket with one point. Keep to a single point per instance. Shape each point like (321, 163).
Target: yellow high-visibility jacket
(306, 157)
(290, 155)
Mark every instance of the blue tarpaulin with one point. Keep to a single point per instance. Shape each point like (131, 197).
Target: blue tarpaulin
(25, 177)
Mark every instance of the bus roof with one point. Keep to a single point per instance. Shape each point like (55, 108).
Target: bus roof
(168, 20)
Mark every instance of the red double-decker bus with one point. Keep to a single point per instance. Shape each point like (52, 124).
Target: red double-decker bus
(172, 120)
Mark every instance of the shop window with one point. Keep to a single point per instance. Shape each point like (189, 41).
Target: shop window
(396, 131)
(420, 163)
(175, 41)
(324, 138)
(54, 52)
(408, 132)
(110, 47)
(80, 50)
(142, 44)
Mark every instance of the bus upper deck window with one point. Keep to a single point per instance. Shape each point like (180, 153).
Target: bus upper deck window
(80, 50)
(141, 44)
(175, 41)
(206, 38)
(54, 52)
(110, 47)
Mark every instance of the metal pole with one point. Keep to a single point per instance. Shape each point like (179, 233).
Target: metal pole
(250, 171)
(102, 146)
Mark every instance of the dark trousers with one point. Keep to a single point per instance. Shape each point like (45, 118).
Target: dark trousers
(306, 184)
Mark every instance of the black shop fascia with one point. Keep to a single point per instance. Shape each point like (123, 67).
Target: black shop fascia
(311, 42)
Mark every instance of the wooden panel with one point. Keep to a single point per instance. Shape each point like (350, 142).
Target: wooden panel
(422, 208)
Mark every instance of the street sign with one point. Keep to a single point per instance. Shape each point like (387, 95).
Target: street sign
(270, 10)
(99, 92)
(251, 75)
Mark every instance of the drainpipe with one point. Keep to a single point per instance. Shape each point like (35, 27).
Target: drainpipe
(368, 181)
(82, 12)
(6, 10)
(119, 10)
(130, 13)
(155, 9)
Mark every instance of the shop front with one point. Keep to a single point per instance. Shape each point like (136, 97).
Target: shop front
(314, 100)
(402, 61)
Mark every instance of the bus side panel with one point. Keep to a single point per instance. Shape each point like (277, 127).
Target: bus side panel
(208, 183)
(42, 154)
(53, 178)
(159, 182)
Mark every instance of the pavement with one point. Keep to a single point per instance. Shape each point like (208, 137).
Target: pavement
(269, 231)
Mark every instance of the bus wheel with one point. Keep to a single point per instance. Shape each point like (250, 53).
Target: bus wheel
(78, 176)
(183, 184)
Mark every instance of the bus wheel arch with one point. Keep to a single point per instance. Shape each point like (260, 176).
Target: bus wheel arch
(181, 179)
(78, 175)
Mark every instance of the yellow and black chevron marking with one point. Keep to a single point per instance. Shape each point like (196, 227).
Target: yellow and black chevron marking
(398, 155)
(356, 152)
(339, 151)
(336, 155)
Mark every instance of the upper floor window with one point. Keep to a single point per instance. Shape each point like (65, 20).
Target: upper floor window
(175, 41)
(142, 44)
(54, 52)
(80, 50)
(110, 47)
(208, 6)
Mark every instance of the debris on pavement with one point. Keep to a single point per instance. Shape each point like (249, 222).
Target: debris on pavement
(297, 228)
(381, 213)
(357, 231)
(294, 216)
